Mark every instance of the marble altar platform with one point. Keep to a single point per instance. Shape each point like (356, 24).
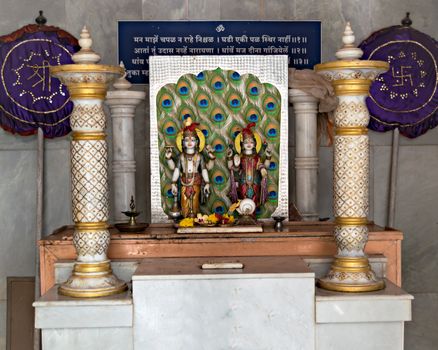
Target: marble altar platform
(306, 239)
(270, 304)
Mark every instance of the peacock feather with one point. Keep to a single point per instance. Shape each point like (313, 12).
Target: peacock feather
(219, 144)
(218, 116)
(254, 89)
(235, 127)
(219, 206)
(253, 114)
(272, 131)
(271, 105)
(234, 100)
(170, 129)
(234, 77)
(184, 112)
(183, 88)
(200, 78)
(217, 82)
(222, 102)
(203, 102)
(204, 127)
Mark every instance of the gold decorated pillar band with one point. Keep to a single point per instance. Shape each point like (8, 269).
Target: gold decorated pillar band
(352, 87)
(88, 91)
(360, 264)
(93, 268)
(85, 226)
(351, 221)
(351, 131)
(88, 136)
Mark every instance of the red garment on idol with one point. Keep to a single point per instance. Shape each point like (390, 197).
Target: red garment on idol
(249, 178)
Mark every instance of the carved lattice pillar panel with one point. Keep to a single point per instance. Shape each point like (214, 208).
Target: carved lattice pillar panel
(351, 79)
(87, 83)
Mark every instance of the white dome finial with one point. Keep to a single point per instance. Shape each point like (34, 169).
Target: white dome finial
(348, 51)
(85, 40)
(348, 37)
(122, 83)
(86, 54)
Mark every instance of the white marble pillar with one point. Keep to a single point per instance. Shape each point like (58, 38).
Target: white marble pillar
(351, 79)
(306, 153)
(122, 103)
(87, 83)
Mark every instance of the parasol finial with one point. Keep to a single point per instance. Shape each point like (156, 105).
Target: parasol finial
(406, 22)
(41, 20)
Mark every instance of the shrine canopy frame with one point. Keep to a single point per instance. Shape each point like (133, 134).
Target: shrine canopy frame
(168, 69)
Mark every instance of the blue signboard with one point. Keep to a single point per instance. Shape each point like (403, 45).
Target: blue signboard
(300, 40)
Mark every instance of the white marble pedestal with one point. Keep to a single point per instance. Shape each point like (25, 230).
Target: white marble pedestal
(362, 321)
(269, 304)
(83, 324)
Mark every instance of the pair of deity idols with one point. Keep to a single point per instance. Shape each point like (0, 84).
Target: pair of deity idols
(190, 178)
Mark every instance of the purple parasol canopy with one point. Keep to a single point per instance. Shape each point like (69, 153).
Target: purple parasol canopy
(30, 98)
(406, 96)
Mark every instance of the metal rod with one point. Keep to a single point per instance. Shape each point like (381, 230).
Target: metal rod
(393, 177)
(39, 225)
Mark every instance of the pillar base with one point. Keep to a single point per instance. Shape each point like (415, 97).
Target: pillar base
(351, 274)
(92, 280)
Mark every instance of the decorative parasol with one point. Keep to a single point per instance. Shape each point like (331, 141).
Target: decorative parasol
(406, 96)
(29, 97)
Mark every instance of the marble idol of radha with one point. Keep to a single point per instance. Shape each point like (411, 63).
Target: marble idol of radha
(190, 180)
(248, 172)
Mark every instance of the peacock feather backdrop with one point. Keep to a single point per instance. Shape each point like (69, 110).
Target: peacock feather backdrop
(223, 102)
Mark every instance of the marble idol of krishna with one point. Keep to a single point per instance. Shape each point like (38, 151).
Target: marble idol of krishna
(191, 169)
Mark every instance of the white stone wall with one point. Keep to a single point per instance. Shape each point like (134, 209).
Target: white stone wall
(417, 192)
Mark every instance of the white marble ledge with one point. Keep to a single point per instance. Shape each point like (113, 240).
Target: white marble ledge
(52, 298)
(391, 304)
(391, 292)
(53, 311)
(254, 267)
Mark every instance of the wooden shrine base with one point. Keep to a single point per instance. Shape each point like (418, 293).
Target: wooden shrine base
(161, 240)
